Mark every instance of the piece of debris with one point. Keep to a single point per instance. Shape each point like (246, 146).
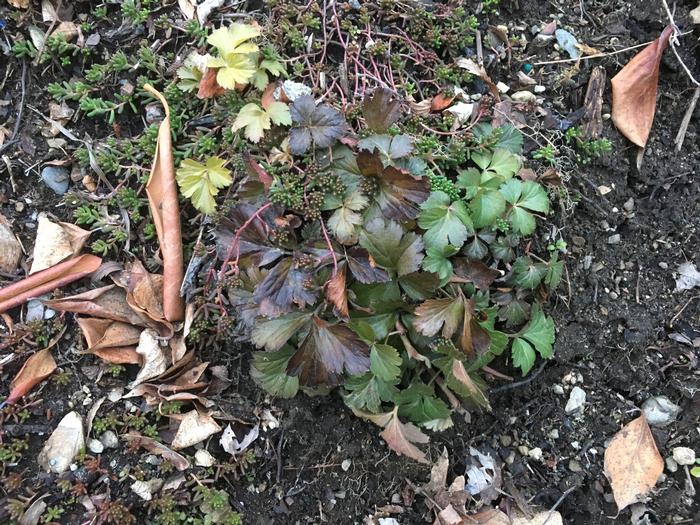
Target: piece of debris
(96, 446)
(483, 476)
(63, 445)
(684, 456)
(632, 463)
(10, 248)
(109, 439)
(688, 277)
(56, 242)
(146, 489)
(567, 42)
(544, 517)
(660, 411)
(35, 369)
(230, 443)
(592, 120)
(577, 399)
(194, 428)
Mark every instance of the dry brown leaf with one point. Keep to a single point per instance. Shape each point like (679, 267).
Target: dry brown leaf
(161, 189)
(35, 369)
(634, 91)
(10, 248)
(256, 171)
(208, 86)
(154, 447)
(56, 242)
(440, 102)
(422, 108)
(194, 428)
(187, 8)
(107, 302)
(401, 437)
(337, 293)
(20, 4)
(48, 280)
(112, 341)
(479, 71)
(544, 517)
(632, 462)
(268, 95)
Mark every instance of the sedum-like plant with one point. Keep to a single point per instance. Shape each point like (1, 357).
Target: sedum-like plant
(360, 269)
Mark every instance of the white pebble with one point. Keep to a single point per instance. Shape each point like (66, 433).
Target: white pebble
(684, 455)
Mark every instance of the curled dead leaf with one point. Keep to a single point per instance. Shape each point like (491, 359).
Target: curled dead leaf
(56, 242)
(194, 428)
(153, 357)
(632, 462)
(154, 447)
(208, 86)
(337, 293)
(47, 280)
(634, 91)
(162, 192)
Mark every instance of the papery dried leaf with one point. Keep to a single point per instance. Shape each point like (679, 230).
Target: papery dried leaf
(153, 357)
(110, 340)
(474, 272)
(381, 109)
(208, 86)
(48, 280)
(422, 108)
(460, 374)
(145, 291)
(326, 353)
(632, 462)
(161, 189)
(35, 369)
(10, 248)
(337, 293)
(489, 517)
(56, 242)
(634, 91)
(478, 70)
(154, 447)
(194, 428)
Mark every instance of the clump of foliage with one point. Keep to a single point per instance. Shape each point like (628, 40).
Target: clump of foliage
(357, 267)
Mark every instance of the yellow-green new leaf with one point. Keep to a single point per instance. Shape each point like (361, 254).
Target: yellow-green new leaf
(237, 58)
(201, 182)
(256, 120)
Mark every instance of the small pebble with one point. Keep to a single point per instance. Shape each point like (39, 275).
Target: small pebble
(578, 240)
(154, 113)
(535, 453)
(604, 190)
(671, 464)
(659, 411)
(613, 295)
(523, 97)
(577, 398)
(614, 239)
(629, 204)
(506, 440)
(96, 446)
(539, 89)
(554, 433)
(523, 450)
(574, 466)
(558, 389)
(502, 88)
(345, 465)
(663, 265)
(202, 458)
(56, 178)
(684, 455)
(109, 439)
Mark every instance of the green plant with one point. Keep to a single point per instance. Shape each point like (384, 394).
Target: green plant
(387, 279)
(587, 150)
(52, 514)
(24, 49)
(215, 506)
(201, 182)
(545, 153)
(135, 10)
(695, 471)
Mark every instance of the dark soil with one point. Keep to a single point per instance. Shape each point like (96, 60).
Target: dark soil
(613, 318)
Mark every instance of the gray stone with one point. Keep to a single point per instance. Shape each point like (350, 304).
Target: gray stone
(671, 464)
(614, 239)
(56, 178)
(660, 411)
(109, 439)
(684, 456)
(577, 398)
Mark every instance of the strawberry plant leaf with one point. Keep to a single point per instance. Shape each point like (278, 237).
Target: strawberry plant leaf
(392, 249)
(437, 260)
(401, 436)
(527, 273)
(326, 353)
(419, 404)
(321, 125)
(523, 355)
(345, 220)
(540, 332)
(419, 285)
(385, 362)
(389, 147)
(363, 269)
(366, 392)
(524, 197)
(555, 271)
(272, 334)
(236, 61)
(444, 222)
(256, 120)
(269, 370)
(285, 285)
(443, 314)
(252, 242)
(475, 272)
(381, 109)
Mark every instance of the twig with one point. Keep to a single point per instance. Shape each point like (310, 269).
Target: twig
(674, 42)
(330, 247)
(18, 122)
(559, 502)
(237, 237)
(683, 129)
(601, 55)
(520, 383)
